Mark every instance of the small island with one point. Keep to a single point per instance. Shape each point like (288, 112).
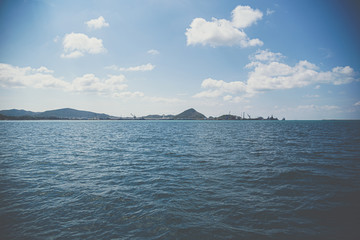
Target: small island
(73, 114)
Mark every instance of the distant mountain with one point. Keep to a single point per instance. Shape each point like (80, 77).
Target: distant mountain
(190, 114)
(17, 113)
(65, 113)
(69, 113)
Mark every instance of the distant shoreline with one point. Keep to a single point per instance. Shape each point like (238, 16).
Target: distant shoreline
(73, 114)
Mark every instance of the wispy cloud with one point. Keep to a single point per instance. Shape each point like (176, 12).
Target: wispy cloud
(269, 12)
(97, 23)
(311, 96)
(266, 55)
(56, 39)
(136, 94)
(145, 67)
(153, 52)
(316, 107)
(164, 100)
(327, 53)
(222, 32)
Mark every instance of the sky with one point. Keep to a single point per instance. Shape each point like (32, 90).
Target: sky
(294, 59)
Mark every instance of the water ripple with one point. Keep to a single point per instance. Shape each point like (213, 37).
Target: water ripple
(179, 179)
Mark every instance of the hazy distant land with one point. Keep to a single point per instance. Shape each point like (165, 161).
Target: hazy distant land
(73, 114)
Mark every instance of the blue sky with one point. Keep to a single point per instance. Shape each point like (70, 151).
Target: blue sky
(293, 59)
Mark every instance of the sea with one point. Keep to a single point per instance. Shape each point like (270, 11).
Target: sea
(180, 179)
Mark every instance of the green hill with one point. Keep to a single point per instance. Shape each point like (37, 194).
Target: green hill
(17, 113)
(190, 114)
(65, 113)
(69, 113)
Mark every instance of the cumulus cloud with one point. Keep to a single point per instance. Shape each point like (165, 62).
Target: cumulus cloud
(42, 78)
(245, 16)
(275, 75)
(153, 52)
(357, 103)
(267, 73)
(219, 87)
(222, 32)
(77, 44)
(97, 23)
(142, 68)
(12, 76)
(91, 83)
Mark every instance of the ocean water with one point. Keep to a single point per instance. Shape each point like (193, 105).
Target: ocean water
(180, 180)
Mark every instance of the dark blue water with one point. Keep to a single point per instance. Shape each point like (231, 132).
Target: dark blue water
(180, 180)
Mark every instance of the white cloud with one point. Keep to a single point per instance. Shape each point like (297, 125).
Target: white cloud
(266, 55)
(12, 76)
(42, 78)
(237, 99)
(56, 39)
(41, 69)
(112, 67)
(219, 88)
(153, 52)
(209, 94)
(129, 94)
(275, 75)
(269, 12)
(77, 44)
(145, 67)
(245, 16)
(228, 98)
(222, 32)
(357, 103)
(97, 23)
(90, 83)
(317, 108)
(327, 53)
(164, 100)
(269, 74)
(74, 54)
(311, 96)
(231, 87)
